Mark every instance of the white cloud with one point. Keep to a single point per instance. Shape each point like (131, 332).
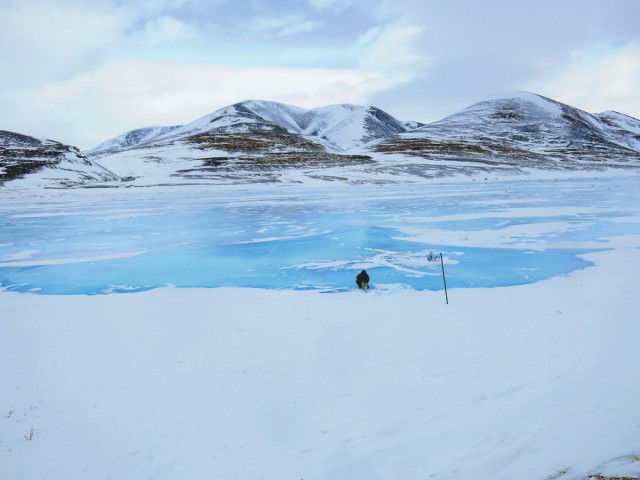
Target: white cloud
(50, 40)
(338, 5)
(300, 27)
(164, 29)
(382, 10)
(283, 25)
(392, 50)
(596, 79)
(44, 39)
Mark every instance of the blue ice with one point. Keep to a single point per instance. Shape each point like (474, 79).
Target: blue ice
(304, 238)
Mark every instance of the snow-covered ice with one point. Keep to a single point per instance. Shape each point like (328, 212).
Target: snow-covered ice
(506, 233)
(534, 379)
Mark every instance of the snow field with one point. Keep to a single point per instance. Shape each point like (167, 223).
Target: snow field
(505, 383)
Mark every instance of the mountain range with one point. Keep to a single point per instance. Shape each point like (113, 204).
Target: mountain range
(336, 128)
(261, 141)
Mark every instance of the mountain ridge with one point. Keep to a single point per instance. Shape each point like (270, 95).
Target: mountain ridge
(525, 127)
(337, 127)
(263, 141)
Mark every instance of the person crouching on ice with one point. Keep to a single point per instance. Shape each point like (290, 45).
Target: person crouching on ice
(362, 280)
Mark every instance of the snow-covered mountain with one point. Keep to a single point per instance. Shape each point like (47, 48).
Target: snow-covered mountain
(336, 128)
(46, 163)
(261, 141)
(523, 129)
(256, 139)
(266, 141)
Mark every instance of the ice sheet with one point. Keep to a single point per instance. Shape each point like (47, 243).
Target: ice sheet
(498, 234)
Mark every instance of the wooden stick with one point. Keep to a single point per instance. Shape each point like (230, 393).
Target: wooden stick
(446, 295)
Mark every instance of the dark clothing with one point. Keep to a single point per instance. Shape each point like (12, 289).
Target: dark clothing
(362, 280)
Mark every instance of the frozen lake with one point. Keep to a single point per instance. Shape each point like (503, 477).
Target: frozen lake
(495, 233)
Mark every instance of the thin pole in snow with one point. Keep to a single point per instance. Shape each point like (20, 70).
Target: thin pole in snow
(444, 280)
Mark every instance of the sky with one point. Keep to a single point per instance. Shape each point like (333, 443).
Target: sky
(81, 72)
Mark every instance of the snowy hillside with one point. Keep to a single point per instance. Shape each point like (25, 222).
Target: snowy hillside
(619, 125)
(335, 127)
(253, 141)
(523, 129)
(28, 160)
(129, 139)
(229, 158)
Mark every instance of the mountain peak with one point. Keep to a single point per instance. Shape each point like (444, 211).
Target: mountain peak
(526, 98)
(518, 95)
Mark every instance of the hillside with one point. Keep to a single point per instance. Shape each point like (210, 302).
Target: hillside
(336, 128)
(253, 141)
(130, 139)
(46, 163)
(523, 130)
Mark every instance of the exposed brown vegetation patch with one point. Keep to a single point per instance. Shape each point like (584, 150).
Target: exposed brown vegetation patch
(507, 114)
(255, 142)
(426, 148)
(18, 161)
(274, 162)
(602, 477)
